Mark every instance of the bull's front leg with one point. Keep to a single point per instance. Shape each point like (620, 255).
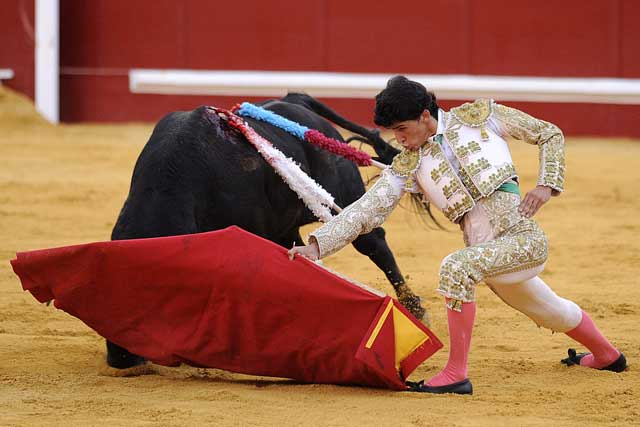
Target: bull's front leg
(374, 245)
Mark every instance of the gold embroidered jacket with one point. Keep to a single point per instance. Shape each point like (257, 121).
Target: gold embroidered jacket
(470, 162)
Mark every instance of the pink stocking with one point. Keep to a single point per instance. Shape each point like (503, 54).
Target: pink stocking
(460, 328)
(588, 334)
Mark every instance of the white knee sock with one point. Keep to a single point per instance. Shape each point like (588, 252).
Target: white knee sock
(536, 300)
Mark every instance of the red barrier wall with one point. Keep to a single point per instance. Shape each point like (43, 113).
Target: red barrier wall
(17, 44)
(102, 39)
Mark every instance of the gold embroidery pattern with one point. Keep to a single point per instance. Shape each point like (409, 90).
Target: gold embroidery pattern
(552, 166)
(440, 171)
(468, 183)
(452, 188)
(538, 132)
(477, 186)
(502, 210)
(455, 210)
(453, 137)
(502, 174)
(477, 167)
(362, 216)
(405, 164)
(463, 151)
(474, 114)
(520, 244)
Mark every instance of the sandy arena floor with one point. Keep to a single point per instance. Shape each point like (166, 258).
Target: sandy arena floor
(65, 185)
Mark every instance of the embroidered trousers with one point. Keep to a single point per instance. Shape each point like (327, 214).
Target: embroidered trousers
(508, 252)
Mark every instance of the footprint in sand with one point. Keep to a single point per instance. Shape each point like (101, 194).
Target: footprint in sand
(506, 348)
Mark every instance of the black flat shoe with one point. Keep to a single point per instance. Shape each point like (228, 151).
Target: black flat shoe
(619, 365)
(461, 387)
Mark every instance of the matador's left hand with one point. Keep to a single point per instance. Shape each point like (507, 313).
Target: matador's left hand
(534, 200)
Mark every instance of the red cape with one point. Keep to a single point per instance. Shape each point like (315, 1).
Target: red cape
(231, 300)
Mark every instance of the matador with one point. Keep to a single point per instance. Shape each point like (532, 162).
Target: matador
(459, 161)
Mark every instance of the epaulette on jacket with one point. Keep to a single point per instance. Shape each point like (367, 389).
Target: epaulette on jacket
(405, 162)
(474, 114)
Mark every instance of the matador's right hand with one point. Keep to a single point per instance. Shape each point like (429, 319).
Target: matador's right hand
(310, 251)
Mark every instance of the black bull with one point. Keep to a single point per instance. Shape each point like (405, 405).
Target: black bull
(197, 174)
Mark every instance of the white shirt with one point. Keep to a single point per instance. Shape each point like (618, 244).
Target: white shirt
(445, 143)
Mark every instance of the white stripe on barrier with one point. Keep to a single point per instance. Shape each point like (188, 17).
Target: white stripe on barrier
(354, 85)
(5, 74)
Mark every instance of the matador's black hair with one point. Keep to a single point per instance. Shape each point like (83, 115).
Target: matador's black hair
(401, 100)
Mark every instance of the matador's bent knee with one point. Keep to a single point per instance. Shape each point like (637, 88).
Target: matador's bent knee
(458, 278)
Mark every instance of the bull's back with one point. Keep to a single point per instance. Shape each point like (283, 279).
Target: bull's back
(169, 173)
(196, 174)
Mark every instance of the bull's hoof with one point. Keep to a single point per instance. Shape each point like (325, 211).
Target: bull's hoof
(146, 368)
(411, 302)
(121, 358)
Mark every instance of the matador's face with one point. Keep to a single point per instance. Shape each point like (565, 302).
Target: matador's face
(413, 134)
